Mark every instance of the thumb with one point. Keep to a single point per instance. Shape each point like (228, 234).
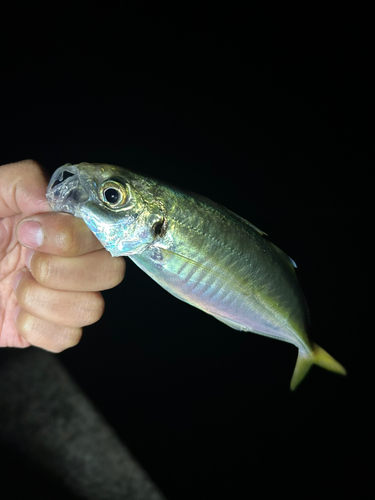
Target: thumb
(22, 189)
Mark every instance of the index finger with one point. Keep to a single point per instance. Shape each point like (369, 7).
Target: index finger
(22, 189)
(58, 234)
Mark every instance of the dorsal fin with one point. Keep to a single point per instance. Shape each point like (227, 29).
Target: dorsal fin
(285, 259)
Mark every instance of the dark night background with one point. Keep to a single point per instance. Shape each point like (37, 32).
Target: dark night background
(269, 112)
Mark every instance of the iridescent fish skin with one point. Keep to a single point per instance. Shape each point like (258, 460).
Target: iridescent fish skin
(196, 249)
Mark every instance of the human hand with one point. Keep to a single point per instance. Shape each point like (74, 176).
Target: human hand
(49, 282)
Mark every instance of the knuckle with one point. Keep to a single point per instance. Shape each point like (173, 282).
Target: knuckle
(99, 306)
(67, 242)
(49, 336)
(74, 338)
(33, 166)
(27, 165)
(43, 269)
(30, 163)
(90, 309)
(25, 326)
(93, 308)
(116, 271)
(72, 237)
(25, 293)
(120, 269)
(66, 338)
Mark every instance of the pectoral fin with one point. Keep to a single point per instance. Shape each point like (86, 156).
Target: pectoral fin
(318, 357)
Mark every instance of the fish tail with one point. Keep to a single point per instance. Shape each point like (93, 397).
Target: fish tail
(317, 356)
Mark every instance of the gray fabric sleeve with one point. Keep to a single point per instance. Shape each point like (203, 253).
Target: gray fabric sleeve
(44, 414)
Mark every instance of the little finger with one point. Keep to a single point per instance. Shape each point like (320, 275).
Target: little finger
(45, 334)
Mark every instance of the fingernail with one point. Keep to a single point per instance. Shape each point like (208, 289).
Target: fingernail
(30, 234)
(17, 278)
(16, 312)
(28, 256)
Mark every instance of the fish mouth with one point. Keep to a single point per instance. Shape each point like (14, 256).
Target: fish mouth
(65, 191)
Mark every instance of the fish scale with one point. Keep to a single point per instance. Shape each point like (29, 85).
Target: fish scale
(196, 249)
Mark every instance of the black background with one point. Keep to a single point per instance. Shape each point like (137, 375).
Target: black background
(269, 112)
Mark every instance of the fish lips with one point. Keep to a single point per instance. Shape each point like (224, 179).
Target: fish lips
(66, 191)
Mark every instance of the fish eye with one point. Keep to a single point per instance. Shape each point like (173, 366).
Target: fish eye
(113, 194)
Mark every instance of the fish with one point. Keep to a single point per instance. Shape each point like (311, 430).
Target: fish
(199, 251)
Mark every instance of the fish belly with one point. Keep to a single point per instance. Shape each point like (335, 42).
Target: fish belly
(233, 277)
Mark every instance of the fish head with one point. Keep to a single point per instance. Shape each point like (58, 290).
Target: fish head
(116, 204)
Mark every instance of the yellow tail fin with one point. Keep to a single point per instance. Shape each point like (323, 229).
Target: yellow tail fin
(318, 357)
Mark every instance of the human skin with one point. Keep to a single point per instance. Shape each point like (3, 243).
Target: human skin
(52, 268)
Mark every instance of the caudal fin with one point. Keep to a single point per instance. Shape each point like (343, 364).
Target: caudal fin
(318, 357)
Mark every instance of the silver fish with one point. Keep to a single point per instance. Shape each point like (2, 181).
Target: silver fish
(196, 249)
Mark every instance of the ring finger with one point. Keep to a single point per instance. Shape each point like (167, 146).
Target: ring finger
(74, 309)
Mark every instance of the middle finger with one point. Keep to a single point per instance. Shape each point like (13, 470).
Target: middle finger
(94, 271)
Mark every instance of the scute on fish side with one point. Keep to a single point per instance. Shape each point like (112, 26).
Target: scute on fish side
(199, 251)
